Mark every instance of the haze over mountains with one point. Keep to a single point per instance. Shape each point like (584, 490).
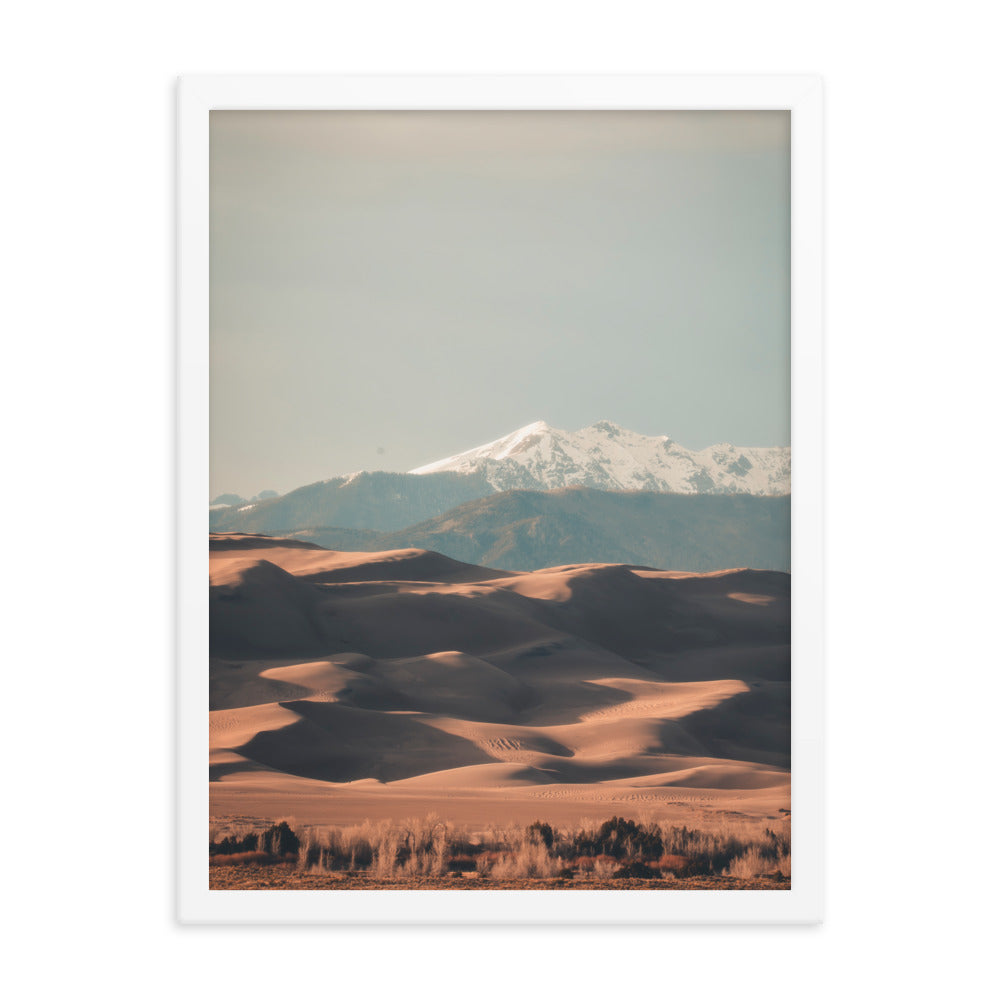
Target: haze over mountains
(525, 530)
(541, 496)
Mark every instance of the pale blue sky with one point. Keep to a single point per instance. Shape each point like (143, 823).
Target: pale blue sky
(388, 288)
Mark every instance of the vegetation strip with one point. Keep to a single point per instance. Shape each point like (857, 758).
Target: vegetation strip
(432, 853)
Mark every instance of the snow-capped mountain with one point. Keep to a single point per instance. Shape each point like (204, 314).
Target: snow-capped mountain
(608, 457)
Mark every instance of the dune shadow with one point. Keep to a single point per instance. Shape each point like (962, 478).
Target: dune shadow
(755, 726)
(336, 742)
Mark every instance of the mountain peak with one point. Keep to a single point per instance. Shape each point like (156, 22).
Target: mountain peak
(607, 427)
(606, 456)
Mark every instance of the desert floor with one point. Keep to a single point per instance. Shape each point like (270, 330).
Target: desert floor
(287, 877)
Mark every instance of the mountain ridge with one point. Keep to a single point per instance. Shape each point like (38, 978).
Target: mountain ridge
(609, 457)
(525, 530)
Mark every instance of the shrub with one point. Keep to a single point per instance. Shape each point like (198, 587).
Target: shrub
(531, 860)
(748, 865)
(621, 838)
(710, 853)
(541, 833)
(755, 862)
(278, 840)
(424, 846)
(586, 863)
(603, 869)
(234, 845)
(243, 858)
(635, 869)
(676, 863)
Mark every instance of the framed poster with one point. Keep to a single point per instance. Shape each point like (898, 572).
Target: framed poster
(484, 641)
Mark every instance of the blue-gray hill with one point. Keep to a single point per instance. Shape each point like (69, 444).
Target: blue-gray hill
(528, 530)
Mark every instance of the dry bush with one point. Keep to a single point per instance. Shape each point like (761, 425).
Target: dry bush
(350, 848)
(387, 850)
(747, 865)
(386, 860)
(586, 863)
(235, 836)
(671, 863)
(754, 863)
(604, 868)
(636, 869)
(530, 860)
(425, 846)
(309, 847)
(504, 838)
(714, 852)
(244, 858)
(236, 827)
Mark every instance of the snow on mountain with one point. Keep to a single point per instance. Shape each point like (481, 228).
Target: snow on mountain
(608, 457)
(224, 500)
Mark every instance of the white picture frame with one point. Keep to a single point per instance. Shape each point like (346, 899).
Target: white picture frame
(802, 97)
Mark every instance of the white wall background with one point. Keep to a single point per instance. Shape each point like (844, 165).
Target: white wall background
(912, 215)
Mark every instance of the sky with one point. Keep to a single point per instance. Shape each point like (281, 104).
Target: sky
(390, 288)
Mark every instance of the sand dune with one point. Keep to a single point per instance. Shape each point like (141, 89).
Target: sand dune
(310, 562)
(343, 682)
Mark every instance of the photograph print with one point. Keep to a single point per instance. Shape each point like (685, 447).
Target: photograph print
(500, 500)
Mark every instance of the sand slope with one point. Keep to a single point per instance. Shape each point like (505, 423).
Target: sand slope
(346, 686)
